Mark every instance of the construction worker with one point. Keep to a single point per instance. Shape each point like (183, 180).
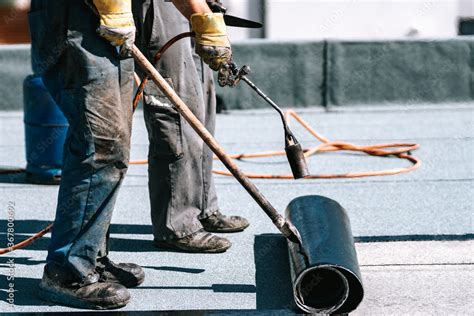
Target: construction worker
(92, 83)
(184, 208)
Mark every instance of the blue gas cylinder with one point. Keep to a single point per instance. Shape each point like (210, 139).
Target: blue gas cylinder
(45, 133)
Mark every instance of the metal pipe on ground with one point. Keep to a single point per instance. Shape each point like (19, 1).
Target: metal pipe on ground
(328, 278)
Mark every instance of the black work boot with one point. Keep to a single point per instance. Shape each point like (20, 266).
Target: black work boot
(58, 286)
(219, 223)
(200, 241)
(127, 274)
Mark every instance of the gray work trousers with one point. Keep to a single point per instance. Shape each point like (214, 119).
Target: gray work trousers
(181, 185)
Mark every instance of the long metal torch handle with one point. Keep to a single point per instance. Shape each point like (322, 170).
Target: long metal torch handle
(273, 104)
(280, 222)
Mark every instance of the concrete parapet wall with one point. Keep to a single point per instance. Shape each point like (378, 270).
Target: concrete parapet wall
(333, 73)
(15, 65)
(290, 72)
(399, 72)
(329, 73)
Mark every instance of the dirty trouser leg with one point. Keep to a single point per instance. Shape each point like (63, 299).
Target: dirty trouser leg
(210, 202)
(175, 154)
(94, 89)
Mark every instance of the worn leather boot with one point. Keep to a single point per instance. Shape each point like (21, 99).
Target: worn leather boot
(59, 286)
(219, 223)
(200, 241)
(127, 274)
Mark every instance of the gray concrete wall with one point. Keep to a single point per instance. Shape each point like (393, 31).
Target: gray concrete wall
(399, 72)
(290, 72)
(329, 73)
(333, 73)
(15, 65)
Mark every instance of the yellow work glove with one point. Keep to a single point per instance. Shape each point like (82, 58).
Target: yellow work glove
(212, 43)
(116, 22)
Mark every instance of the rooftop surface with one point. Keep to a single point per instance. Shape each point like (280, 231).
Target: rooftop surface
(420, 225)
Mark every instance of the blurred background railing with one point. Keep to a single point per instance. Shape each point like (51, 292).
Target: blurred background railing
(14, 21)
(323, 52)
(313, 19)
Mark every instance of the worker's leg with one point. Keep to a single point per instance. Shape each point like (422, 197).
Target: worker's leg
(210, 203)
(179, 162)
(175, 169)
(94, 88)
(211, 218)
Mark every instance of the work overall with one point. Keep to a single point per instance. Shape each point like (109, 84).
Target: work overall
(93, 87)
(181, 185)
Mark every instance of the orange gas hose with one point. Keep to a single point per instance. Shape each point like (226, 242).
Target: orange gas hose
(403, 152)
(27, 241)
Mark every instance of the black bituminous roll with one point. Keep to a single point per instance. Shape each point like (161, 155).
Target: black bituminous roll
(327, 279)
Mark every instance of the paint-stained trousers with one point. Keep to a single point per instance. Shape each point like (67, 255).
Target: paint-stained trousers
(181, 185)
(93, 87)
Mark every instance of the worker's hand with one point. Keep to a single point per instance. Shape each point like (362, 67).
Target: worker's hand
(212, 43)
(116, 23)
(216, 6)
